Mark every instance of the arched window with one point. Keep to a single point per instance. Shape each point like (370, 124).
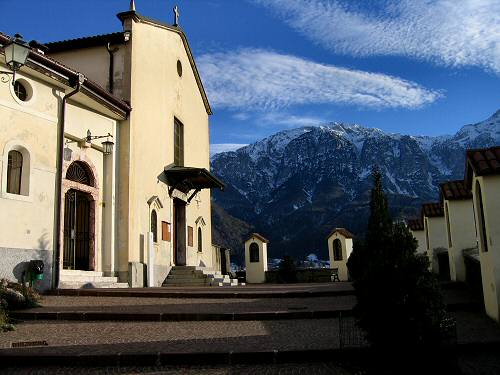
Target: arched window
(448, 226)
(200, 240)
(337, 249)
(14, 172)
(480, 215)
(154, 225)
(254, 252)
(81, 173)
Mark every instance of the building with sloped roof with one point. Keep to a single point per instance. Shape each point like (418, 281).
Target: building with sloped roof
(153, 195)
(435, 237)
(460, 226)
(482, 177)
(416, 226)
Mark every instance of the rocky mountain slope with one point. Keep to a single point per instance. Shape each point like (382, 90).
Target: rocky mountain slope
(296, 185)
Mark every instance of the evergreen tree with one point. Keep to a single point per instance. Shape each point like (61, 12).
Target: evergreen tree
(399, 301)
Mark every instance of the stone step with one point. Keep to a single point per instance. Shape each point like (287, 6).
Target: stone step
(90, 285)
(80, 273)
(187, 281)
(182, 284)
(186, 277)
(89, 278)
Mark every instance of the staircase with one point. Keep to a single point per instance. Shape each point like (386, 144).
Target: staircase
(197, 276)
(216, 278)
(76, 279)
(186, 276)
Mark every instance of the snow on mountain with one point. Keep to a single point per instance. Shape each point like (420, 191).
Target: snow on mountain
(297, 184)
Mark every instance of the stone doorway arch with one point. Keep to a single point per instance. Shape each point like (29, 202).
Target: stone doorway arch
(78, 229)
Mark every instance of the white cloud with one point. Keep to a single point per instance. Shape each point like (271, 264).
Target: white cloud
(224, 147)
(447, 32)
(289, 120)
(250, 79)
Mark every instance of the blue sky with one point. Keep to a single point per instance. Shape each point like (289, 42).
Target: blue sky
(410, 66)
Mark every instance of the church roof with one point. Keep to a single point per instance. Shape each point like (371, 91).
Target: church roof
(455, 190)
(262, 238)
(122, 37)
(88, 41)
(342, 231)
(481, 162)
(434, 209)
(56, 70)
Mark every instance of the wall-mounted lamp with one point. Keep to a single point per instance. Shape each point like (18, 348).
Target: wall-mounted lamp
(107, 145)
(16, 53)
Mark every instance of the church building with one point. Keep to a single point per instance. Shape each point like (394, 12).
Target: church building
(146, 204)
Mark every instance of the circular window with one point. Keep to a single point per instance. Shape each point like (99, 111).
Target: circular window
(20, 91)
(179, 68)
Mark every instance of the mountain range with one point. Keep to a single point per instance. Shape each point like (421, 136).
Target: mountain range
(295, 186)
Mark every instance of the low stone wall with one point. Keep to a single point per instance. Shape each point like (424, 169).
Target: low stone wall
(15, 261)
(313, 275)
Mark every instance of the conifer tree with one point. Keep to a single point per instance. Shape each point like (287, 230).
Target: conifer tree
(399, 301)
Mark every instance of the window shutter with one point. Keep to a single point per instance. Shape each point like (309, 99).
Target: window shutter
(165, 231)
(190, 236)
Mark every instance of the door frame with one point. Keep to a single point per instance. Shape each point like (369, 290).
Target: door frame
(179, 232)
(94, 193)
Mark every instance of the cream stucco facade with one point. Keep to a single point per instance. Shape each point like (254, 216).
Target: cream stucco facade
(154, 70)
(29, 126)
(486, 195)
(339, 249)
(460, 233)
(162, 122)
(256, 259)
(435, 238)
(421, 242)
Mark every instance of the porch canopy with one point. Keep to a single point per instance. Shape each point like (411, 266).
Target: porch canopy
(186, 179)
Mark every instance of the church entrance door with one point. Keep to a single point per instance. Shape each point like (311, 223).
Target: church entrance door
(179, 232)
(77, 230)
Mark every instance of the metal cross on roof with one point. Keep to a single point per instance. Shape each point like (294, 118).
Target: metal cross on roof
(176, 16)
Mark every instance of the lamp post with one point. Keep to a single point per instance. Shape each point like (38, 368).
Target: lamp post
(16, 53)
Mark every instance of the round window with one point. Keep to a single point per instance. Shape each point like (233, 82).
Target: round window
(179, 68)
(20, 91)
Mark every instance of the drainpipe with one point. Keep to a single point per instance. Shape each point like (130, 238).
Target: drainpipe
(60, 155)
(111, 65)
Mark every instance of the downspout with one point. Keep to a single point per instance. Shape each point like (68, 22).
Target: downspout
(111, 65)
(59, 167)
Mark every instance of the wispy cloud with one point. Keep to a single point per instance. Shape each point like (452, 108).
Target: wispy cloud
(446, 32)
(224, 147)
(251, 79)
(289, 120)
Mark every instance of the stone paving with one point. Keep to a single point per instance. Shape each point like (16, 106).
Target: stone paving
(138, 337)
(188, 305)
(278, 369)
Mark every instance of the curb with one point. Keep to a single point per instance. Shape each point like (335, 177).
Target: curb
(152, 294)
(28, 359)
(16, 358)
(177, 317)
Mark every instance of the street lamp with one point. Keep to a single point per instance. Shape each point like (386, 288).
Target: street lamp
(16, 53)
(107, 145)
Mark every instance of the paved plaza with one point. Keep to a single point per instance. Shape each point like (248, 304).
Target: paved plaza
(216, 331)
